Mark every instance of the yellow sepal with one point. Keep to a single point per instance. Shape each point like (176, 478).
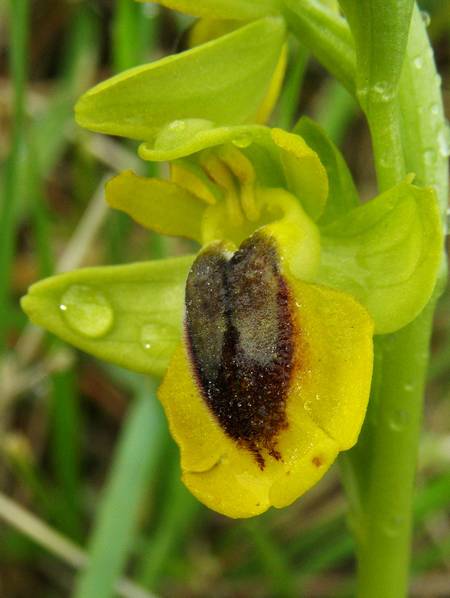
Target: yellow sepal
(159, 205)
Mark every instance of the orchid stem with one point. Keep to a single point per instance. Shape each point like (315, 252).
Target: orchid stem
(379, 472)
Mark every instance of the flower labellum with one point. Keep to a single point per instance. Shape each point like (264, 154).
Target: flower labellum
(271, 379)
(240, 330)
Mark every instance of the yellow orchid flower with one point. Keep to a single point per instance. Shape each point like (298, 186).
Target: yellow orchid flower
(265, 336)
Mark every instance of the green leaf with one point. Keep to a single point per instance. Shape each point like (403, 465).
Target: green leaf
(387, 254)
(222, 9)
(129, 315)
(133, 472)
(159, 205)
(342, 193)
(380, 29)
(223, 81)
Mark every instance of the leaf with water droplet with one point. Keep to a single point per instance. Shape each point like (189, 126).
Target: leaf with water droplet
(380, 30)
(87, 310)
(129, 315)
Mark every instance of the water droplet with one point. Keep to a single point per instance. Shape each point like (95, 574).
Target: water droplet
(381, 92)
(443, 144)
(362, 93)
(398, 421)
(158, 338)
(243, 140)
(177, 125)
(180, 132)
(434, 109)
(429, 156)
(86, 310)
(391, 527)
(425, 17)
(418, 62)
(150, 10)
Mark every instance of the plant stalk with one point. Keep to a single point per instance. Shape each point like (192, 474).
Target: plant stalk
(379, 472)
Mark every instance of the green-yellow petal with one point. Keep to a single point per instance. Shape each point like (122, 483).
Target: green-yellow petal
(159, 205)
(128, 315)
(305, 174)
(201, 83)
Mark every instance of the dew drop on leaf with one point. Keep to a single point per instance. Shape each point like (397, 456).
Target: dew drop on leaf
(391, 527)
(156, 338)
(443, 144)
(86, 311)
(429, 156)
(399, 420)
(242, 140)
(425, 17)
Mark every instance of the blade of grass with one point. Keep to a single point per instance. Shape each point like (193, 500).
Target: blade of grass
(175, 518)
(289, 100)
(51, 128)
(132, 470)
(338, 546)
(133, 37)
(272, 560)
(35, 529)
(336, 110)
(19, 17)
(432, 557)
(66, 431)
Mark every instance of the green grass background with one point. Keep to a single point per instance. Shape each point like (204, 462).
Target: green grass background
(90, 499)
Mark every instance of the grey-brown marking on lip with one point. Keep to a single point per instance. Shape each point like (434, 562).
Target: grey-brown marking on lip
(240, 333)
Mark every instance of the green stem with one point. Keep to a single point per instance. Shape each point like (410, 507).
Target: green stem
(384, 124)
(380, 476)
(384, 461)
(326, 34)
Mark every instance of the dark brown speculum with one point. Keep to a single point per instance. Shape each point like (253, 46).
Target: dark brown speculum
(240, 333)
